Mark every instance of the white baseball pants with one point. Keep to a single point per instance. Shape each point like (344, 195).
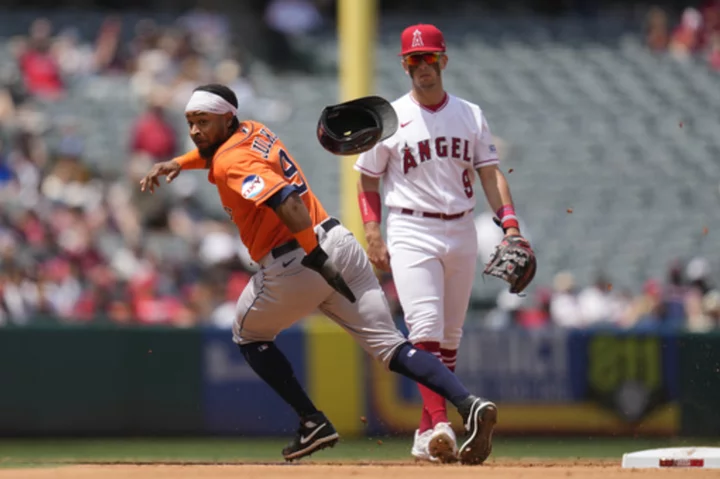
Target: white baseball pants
(433, 263)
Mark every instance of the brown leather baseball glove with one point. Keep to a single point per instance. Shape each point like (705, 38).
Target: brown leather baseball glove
(514, 262)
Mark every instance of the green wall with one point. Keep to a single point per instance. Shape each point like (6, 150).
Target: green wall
(99, 381)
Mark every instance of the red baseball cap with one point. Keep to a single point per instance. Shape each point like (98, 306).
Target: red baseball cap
(421, 38)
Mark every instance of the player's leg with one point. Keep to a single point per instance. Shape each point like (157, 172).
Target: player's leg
(415, 246)
(418, 279)
(459, 273)
(370, 323)
(277, 297)
(460, 267)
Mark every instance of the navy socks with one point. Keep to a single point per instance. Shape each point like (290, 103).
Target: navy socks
(272, 366)
(426, 369)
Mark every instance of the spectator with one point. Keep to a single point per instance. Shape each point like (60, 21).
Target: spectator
(595, 303)
(711, 310)
(657, 35)
(564, 307)
(152, 133)
(40, 70)
(109, 57)
(647, 308)
(697, 272)
(505, 314)
(539, 315)
(686, 38)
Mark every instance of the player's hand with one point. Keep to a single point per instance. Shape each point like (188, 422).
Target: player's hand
(378, 253)
(318, 260)
(512, 232)
(170, 169)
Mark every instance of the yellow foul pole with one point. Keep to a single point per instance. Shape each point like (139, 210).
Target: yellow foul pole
(356, 33)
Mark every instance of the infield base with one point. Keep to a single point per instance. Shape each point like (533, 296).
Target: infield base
(686, 457)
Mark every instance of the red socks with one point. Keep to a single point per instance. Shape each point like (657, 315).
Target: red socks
(449, 358)
(434, 410)
(425, 419)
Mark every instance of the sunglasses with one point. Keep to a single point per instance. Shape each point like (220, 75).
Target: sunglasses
(429, 58)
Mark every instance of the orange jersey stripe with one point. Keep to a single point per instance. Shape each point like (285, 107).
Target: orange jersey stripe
(249, 168)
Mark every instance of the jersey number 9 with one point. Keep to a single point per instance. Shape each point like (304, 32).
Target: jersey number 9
(291, 172)
(467, 183)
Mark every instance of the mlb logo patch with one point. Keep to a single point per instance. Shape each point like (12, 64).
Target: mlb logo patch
(493, 149)
(252, 186)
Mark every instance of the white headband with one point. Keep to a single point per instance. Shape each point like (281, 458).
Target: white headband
(209, 103)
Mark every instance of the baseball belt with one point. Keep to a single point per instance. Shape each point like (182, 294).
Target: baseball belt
(293, 244)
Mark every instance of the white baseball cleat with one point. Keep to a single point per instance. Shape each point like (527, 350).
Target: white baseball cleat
(443, 443)
(420, 446)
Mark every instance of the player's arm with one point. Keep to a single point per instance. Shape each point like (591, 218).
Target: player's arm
(368, 190)
(291, 210)
(255, 181)
(172, 168)
(372, 165)
(192, 161)
(497, 192)
(494, 183)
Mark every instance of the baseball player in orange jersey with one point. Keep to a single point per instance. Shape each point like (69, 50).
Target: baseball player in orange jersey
(308, 261)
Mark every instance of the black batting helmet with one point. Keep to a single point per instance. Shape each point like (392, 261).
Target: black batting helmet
(355, 126)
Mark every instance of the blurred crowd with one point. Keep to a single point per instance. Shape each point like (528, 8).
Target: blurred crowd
(695, 36)
(77, 246)
(80, 247)
(687, 299)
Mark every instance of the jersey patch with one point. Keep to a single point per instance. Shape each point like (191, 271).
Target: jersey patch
(252, 186)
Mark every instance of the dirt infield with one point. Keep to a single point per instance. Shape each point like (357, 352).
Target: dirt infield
(528, 469)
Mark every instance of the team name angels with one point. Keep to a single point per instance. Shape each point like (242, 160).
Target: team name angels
(456, 148)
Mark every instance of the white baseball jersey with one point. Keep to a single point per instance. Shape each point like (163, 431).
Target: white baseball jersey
(429, 163)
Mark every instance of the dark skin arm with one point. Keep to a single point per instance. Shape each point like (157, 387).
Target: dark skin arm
(294, 213)
(167, 168)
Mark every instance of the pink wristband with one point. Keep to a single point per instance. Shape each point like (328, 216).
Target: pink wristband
(506, 215)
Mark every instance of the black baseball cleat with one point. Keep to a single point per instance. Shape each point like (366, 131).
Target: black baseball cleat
(315, 433)
(479, 418)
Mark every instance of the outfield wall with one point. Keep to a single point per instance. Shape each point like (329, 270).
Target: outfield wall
(120, 381)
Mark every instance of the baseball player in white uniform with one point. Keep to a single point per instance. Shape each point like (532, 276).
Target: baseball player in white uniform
(428, 170)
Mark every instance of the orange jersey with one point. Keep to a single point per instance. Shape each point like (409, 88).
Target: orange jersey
(248, 169)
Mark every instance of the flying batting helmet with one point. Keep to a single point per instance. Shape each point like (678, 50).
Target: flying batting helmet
(355, 126)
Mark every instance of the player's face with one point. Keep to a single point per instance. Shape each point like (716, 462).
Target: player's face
(208, 131)
(424, 68)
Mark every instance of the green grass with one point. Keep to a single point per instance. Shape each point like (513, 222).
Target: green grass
(39, 452)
